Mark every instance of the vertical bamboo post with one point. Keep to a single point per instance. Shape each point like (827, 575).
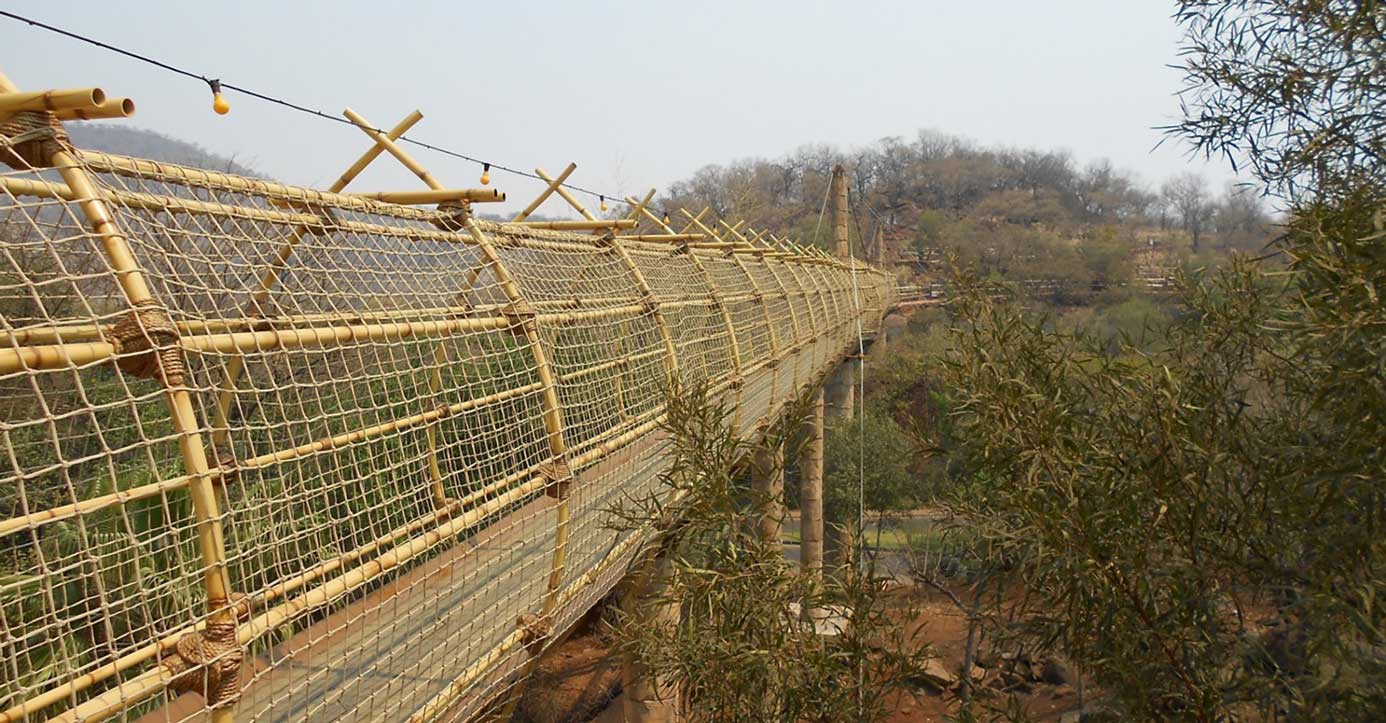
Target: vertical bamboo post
(671, 358)
(760, 301)
(784, 294)
(560, 475)
(715, 295)
(130, 276)
(227, 392)
(525, 317)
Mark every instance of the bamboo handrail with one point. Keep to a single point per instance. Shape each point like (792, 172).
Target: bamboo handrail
(415, 198)
(73, 355)
(584, 225)
(663, 237)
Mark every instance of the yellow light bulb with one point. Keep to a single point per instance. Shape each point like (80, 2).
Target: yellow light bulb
(603, 204)
(220, 105)
(486, 175)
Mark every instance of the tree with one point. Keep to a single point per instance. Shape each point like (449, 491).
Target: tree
(738, 653)
(1187, 194)
(1204, 515)
(1240, 220)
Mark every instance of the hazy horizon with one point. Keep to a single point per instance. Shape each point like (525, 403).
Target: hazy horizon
(637, 96)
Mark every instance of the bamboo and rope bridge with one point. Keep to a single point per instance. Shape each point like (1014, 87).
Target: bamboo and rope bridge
(276, 453)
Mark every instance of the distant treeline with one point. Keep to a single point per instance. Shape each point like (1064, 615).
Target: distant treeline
(1012, 212)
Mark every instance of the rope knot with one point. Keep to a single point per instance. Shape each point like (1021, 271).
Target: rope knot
(457, 214)
(146, 344)
(30, 138)
(208, 662)
(535, 629)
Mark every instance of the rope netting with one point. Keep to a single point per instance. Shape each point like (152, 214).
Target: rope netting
(290, 455)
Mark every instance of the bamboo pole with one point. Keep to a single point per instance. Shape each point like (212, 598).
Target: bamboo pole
(393, 149)
(764, 308)
(565, 195)
(153, 681)
(70, 355)
(663, 237)
(112, 108)
(50, 100)
(211, 544)
(548, 191)
(585, 225)
(226, 393)
(671, 358)
(694, 219)
(800, 338)
(145, 170)
(716, 296)
(415, 198)
(636, 208)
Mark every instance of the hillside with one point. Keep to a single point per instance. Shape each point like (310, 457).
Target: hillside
(127, 141)
(1019, 213)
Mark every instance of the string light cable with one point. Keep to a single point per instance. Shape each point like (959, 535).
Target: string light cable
(222, 107)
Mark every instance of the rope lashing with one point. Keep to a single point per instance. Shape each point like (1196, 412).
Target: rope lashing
(207, 662)
(535, 629)
(30, 138)
(460, 210)
(146, 344)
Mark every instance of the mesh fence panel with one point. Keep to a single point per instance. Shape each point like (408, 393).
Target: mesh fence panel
(412, 430)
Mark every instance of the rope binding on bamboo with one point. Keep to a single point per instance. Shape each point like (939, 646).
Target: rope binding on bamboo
(560, 476)
(208, 662)
(458, 213)
(147, 344)
(535, 630)
(30, 138)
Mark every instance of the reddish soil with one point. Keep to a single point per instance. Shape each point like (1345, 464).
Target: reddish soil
(579, 680)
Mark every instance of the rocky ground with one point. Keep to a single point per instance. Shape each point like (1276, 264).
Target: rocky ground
(579, 680)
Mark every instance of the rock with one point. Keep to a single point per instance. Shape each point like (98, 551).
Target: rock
(1088, 714)
(936, 676)
(1055, 673)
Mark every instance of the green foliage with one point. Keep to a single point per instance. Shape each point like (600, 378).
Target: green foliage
(884, 480)
(737, 652)
(1198, 520)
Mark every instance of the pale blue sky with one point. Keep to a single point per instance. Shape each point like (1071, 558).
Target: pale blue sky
(638, 94)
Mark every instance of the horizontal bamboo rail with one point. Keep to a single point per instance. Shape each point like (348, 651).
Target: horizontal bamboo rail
(584, 225)
(475, 195)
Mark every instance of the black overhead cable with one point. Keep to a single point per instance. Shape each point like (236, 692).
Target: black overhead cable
(216, 82)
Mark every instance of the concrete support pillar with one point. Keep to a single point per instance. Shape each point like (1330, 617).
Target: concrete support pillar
(767, 483)
(646, 698)
(811, 491)
(841, 247)
(841, 390)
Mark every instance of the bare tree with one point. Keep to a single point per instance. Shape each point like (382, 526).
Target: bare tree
(1187, 194)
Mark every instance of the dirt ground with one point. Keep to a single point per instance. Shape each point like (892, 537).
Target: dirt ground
(579, 680)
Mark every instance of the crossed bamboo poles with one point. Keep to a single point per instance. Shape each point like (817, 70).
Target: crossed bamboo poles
(553, 475)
